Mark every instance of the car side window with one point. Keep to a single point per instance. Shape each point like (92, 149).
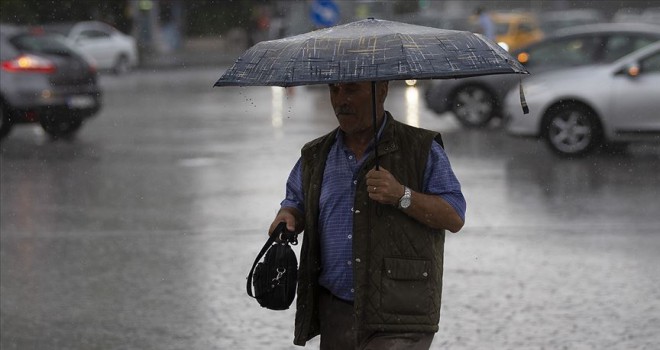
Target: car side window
(93, 34)
(619, 45)
(564, 52)
(651, 64)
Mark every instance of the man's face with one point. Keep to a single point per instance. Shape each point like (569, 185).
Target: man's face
(352, 105)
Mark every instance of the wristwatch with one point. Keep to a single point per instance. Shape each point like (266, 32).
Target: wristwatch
(404, 201)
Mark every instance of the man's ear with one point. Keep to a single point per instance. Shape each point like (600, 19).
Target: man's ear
(383, 86)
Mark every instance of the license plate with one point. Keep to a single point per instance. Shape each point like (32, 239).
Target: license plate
(80, 102)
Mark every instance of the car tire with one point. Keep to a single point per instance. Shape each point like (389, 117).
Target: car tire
(5, 121)
(474, 106)
(432, 101)
(59, 128)
(572, 129)
(121, 65)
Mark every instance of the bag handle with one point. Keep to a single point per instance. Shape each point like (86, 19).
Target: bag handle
(285, 236)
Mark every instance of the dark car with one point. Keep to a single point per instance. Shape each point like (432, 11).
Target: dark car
(43, 80)
(476, 101)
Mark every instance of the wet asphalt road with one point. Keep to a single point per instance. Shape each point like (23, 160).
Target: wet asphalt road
(139, 234)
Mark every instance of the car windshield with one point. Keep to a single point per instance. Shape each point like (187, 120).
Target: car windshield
(564, 53)
(47, 44)
(501, 28)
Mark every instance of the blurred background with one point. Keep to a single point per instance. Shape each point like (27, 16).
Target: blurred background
(165, 26)
(134, 196)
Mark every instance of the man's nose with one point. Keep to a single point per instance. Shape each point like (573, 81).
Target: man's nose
(343, 95)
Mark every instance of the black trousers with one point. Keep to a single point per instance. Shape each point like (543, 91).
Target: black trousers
(338, 331)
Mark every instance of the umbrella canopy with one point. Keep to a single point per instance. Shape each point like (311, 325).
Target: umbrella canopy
(369, 50)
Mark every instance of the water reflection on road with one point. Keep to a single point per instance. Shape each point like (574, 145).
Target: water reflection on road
(139, 233)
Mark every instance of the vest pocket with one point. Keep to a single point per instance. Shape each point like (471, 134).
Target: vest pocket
(406, 286)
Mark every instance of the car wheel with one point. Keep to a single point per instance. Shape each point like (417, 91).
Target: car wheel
(572, 130)
(432, 101)
(58, 128)
(5, 121)
(121, 65)
(473, 105)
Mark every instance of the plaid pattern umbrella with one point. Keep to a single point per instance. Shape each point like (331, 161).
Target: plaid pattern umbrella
(369, 50)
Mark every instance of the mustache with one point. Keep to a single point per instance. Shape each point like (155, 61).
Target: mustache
(344, 110)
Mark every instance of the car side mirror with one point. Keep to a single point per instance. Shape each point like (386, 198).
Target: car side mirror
(632, 70)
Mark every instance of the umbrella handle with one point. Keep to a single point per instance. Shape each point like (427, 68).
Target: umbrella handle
(523, 102)
(373, 115)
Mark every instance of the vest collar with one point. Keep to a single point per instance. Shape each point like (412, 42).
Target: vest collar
(386, 143)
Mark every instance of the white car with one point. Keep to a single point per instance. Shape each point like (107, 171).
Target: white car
(109, 48)
(578, 109)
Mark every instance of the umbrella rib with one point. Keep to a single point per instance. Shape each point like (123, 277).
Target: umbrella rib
(409, 68)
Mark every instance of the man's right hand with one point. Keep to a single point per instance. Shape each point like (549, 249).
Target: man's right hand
(292, 217)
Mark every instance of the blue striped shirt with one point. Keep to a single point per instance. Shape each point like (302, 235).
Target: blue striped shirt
(336, 207)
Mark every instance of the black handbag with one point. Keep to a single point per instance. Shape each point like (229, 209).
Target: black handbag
(275, 278)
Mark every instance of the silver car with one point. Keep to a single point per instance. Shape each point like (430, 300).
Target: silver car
(579, 109)
(477, 100)
(43, 80)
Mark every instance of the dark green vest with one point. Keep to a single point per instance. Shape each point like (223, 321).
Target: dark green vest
(397, 260)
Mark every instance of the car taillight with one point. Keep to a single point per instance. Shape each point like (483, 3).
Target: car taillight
(29, 63)
(92, 66)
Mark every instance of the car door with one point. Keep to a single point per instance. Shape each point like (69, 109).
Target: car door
(98, 45)
(635, 104)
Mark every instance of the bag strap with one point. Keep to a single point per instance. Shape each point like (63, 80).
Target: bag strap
(285, 236)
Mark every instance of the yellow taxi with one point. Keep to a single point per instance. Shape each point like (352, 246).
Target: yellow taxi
(515, 29)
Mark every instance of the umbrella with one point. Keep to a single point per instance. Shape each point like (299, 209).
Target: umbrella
(369, 50)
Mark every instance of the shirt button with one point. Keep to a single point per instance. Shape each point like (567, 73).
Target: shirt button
(350, 157)
(354, 182)
(349, 262)
(352, 290)
(350, 236)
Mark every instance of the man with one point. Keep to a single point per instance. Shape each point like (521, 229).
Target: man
(486, 26)
(371, 260)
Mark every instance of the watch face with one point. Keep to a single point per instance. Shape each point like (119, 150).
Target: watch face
(404, 202)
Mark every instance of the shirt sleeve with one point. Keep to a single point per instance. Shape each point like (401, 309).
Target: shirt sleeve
(439, 179)
(294, 192)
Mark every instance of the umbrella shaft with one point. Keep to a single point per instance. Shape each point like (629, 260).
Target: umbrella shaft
(375, 122)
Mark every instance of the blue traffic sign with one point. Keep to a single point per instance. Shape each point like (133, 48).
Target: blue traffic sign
(325, 13)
